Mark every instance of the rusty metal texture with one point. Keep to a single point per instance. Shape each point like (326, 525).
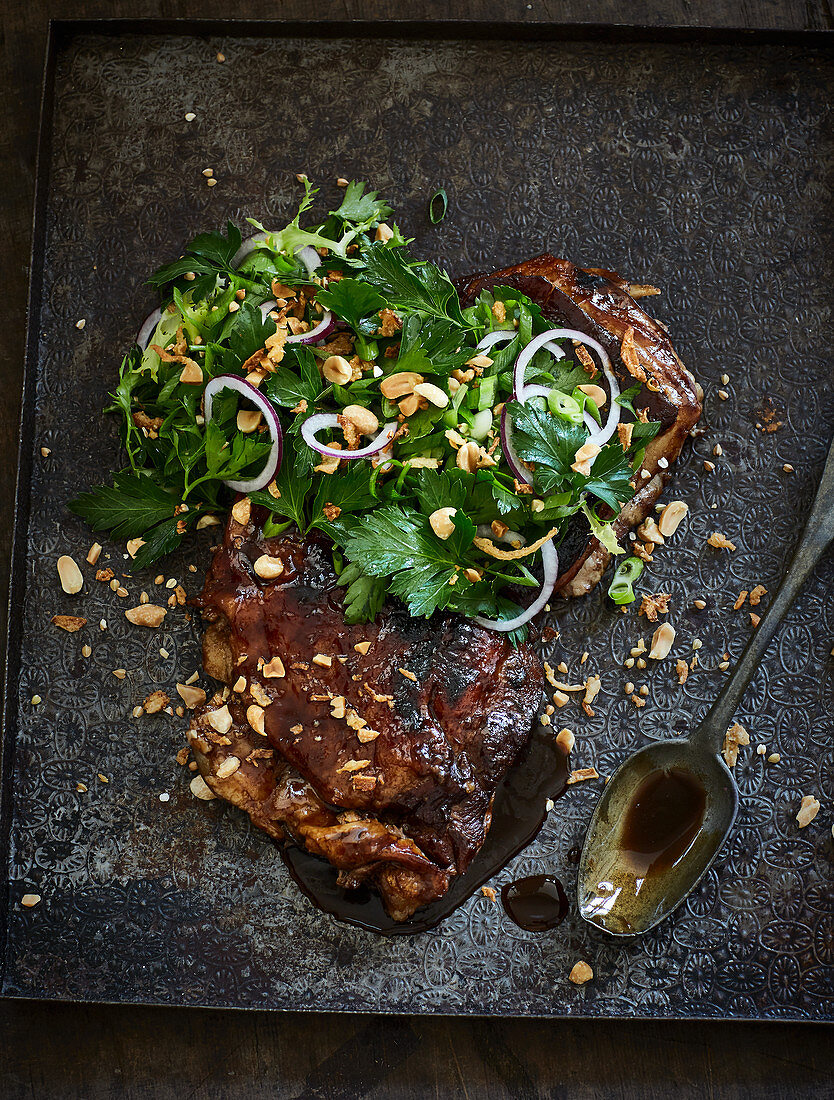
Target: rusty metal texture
(704, 167)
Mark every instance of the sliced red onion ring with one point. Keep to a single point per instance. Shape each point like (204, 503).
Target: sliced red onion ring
(513, 461)
(320, 332)
(315, 424)
(246, 389)
(322, 329)
(247, 247)
(536, 391)
(309, 257)
(550, 562)
(146, 331)
(520, 391)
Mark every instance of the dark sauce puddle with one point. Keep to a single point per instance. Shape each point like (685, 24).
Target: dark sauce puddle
(536, 903)
(518, 813)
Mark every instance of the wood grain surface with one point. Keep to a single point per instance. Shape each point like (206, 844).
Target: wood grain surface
(55, 1050)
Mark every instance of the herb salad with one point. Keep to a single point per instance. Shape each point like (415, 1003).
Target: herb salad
(334, 378)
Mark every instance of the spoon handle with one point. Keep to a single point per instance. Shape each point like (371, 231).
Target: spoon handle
(818, 534)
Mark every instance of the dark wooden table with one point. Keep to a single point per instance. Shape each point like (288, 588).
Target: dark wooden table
(53, 1050)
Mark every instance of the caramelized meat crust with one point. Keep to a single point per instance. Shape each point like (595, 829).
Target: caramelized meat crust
(598, 303)
(384, 759)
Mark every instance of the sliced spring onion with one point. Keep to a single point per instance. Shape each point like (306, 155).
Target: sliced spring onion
(438, 206)
(626, 573)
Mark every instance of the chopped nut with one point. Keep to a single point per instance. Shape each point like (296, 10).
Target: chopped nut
(200, 789)
(649, 531)
(275, 669)
(432, 394)
(581, 973)
(70, 623)
(248, 420)
(441, 522)
(242, 511)
(239, 685)
(662, 640)
(30, 900)
(337, 706)
(255, 718)
(220, 720)
(228, 767)
(191, 696)
(560, 699)
(323, 659)
(699, 604)
(488, 891)
(467, 457)
(671, 516)
(754, 618)
(362, 647)
(383, 233)
(774, 758)
(268, 567)
(148, 614)
(808, 810)
(94, 553)
(682, 669)
(364, 420)
(584, 458)
(259, 695)
(408, 675)
(337, 369)
(566, 739)
(69, 575)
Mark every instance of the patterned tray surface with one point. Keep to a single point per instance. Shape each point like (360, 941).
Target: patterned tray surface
(704, 169)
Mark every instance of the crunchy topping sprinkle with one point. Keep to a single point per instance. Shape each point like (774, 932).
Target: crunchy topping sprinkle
(653, 605)
(756, 595)
(808, 810)
(70, 623)
(353, 766)
(148, 614)
(155, 702)
(408, 675)
(581, 973)
(682, 669)
(581, 774)
(719, 542)
(324, 660)
(735, 737)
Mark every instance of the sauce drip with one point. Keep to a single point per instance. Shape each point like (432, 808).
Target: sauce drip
(662, 819)
(536, 903)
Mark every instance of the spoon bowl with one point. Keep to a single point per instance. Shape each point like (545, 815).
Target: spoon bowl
(635, 870)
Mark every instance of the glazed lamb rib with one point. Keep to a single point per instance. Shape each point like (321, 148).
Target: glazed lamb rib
(598, 303)
(384, 762)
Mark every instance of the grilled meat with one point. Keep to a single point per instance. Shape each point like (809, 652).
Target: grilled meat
(385, 762)
(598, 303)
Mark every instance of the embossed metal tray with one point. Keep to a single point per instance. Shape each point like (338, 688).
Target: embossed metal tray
(699, 161)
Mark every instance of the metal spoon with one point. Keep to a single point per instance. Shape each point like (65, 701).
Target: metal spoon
(682, 789)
